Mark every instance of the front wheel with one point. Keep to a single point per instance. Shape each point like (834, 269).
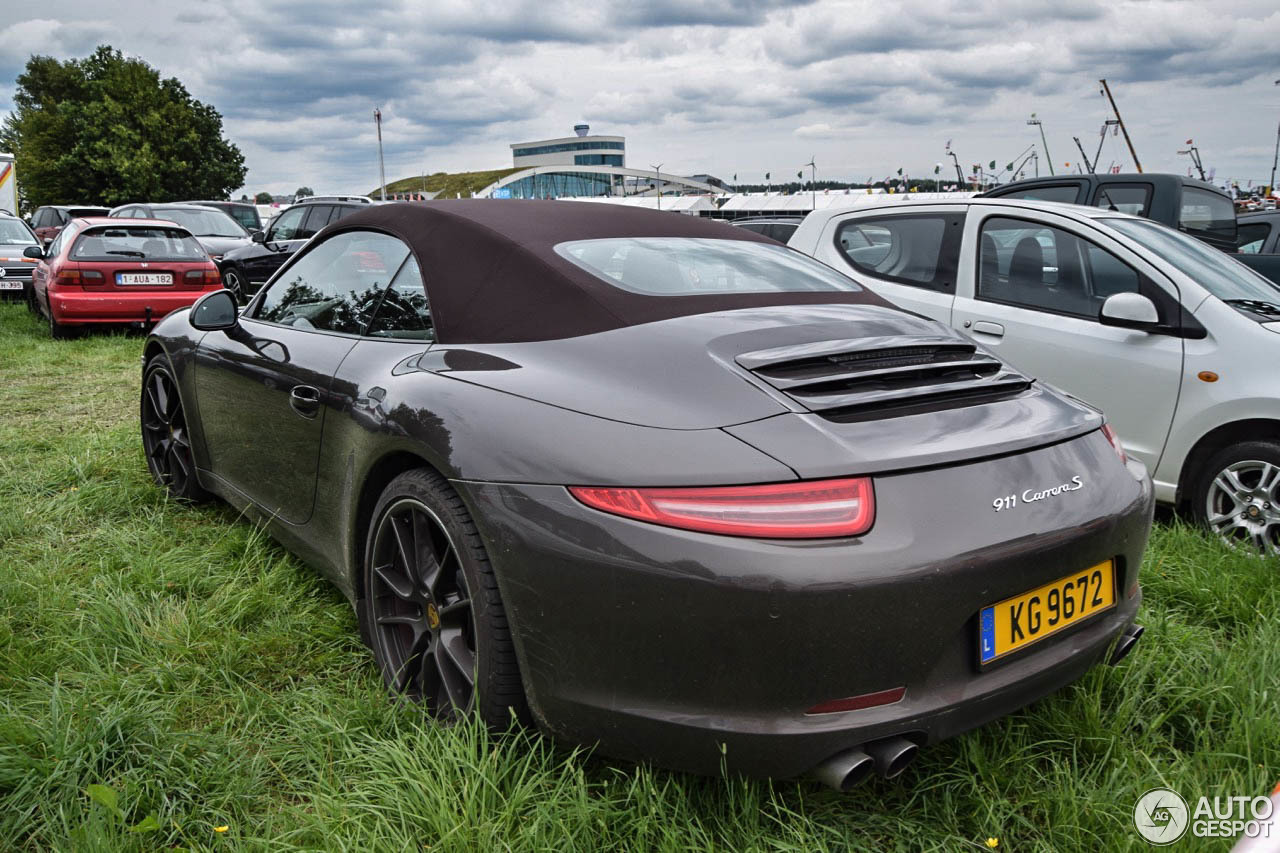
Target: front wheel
(1237, 494)
(431, 608)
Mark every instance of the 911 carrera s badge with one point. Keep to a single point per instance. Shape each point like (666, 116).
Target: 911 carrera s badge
(1032, 495)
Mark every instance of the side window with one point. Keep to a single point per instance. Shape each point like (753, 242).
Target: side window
(341, 211)
(288, 224)
(51, 251)
(1047, 269)
(336, 286)
(404, 312)
(1069, 193)
(317, 218)
(1125, 198)
(1206, 212)
(913, 249)
(1250, 238)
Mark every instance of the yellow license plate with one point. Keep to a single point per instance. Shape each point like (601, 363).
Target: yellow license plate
(1017, 622)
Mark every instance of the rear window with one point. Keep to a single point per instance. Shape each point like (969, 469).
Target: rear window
(74, 212)
(685, 266)
(1210, 213)
(203, 222)
(142, 243)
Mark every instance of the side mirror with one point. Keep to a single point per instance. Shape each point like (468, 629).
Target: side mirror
(215, 312)
(33, 252)
(258, 236)
(1129, 311)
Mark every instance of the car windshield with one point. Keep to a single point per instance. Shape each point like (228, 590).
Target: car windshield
(112, 243)
(1218, 272)
(203, 222)
(14, 233)
(685, 266)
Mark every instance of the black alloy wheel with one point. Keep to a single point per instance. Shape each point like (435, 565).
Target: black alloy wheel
(432, 611)
(165, 438)
(233, 280)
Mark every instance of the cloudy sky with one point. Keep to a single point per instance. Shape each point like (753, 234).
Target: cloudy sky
(720, 86)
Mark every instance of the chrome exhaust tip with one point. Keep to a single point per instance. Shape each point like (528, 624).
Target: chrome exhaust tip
(1125, 644)
(891, 755)
(844, 770)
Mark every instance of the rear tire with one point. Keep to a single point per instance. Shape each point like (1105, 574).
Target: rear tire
(233, 280)
(1236, 494)
(431, 609)
(57, 330)
(166, 441)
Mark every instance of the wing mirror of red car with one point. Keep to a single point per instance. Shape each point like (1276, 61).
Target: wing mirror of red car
(33, 252)
(215, 312)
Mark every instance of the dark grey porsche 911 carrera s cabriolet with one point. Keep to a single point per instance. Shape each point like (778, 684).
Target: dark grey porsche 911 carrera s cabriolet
(658, 484)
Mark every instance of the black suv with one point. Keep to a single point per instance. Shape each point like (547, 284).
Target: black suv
(1196, 207)
(244, 270)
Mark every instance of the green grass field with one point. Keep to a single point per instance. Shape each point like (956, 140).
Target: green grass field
(211, 682)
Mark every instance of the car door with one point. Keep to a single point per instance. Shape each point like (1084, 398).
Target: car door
(264, 387)
(1034, 283)
(283, 239)
(908, 257)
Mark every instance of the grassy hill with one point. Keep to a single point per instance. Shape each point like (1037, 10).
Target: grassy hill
(446, 184)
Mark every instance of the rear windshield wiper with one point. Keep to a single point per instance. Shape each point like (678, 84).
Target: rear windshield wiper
(1258, 306)
(127, 252)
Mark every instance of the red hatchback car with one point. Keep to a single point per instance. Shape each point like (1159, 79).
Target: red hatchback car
(135, 271)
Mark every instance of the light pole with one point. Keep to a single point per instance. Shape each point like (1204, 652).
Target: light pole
(657, 176)
(1047, 156)
(382, 172)
(1272, 190)
(813, 183)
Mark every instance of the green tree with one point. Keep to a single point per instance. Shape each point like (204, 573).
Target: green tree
(107, 129)
(303, 191)
(262, 198)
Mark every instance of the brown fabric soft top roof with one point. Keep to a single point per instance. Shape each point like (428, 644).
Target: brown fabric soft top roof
(493, 275)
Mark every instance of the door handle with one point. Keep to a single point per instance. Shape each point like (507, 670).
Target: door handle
(986, 327)
(305, 400)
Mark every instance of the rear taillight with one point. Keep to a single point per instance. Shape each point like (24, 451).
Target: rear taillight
(203, 277)
(67, 276)
(816, 509)
(1114, 440)
(91, 277)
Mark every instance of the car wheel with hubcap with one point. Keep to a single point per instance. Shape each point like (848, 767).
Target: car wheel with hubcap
(431, 608)
(165, 439)
(1237, 494)
(57, 331)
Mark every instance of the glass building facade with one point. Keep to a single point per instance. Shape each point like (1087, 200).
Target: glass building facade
(558, 184)
(597, 159)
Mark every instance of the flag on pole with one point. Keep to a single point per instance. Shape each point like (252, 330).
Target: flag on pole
(1190, 141)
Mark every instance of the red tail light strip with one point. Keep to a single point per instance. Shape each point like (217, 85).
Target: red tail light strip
(816, 509)
(857, 703)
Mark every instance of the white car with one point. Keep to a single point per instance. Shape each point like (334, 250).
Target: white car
(1176, 342)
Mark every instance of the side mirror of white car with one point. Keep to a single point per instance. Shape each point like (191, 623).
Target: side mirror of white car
(1129, 311)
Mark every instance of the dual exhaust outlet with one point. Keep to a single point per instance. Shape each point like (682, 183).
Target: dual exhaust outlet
(888, 757)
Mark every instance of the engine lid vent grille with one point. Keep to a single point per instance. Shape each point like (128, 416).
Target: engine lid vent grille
(885, 377)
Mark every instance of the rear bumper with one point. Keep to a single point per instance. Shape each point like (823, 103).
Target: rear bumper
(703, 652)
(72, 307)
